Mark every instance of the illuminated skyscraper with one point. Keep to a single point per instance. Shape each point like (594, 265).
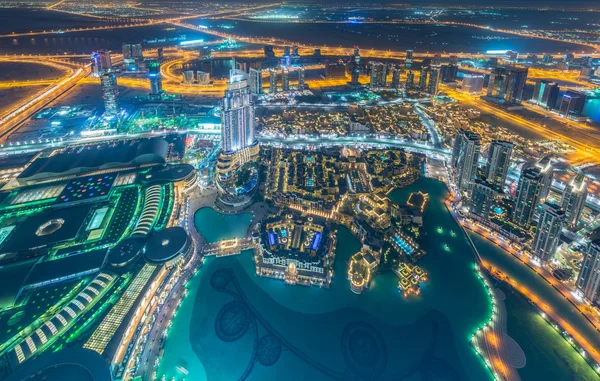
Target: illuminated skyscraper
(517, 78)
(255, 81)
(573, 199)
(472, 83)
(409, 58)
(527, 195)
(108, 81)
(547, 173)
(410, 80)
(101, 62)
(286, 51)
(396, 71)
(423, 78)
(155, 79)
(355, 67)
(378, 75)
(435, 76)
(483, 196)
(465, 156)
(588, 280)
(272, 81)
(132, 56)
(498, 161)
(237, 114)
(301, 79)
(547, 234)
(572, 103)
(285, 79)
(545, 93)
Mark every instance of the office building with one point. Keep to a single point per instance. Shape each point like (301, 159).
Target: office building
(498, 161)
(568, 58)
(378, 75)
(454, 60)
(572, 103)
(465, 156)
(547, 173)
(511, 56)
(272, 81)
(410, 80)
(101, 62)
(545, 93)
(160, 54)
(188, 77)
(483, 197)
(527, 195)
(285, 79)
(110, 91)
(449, 73)
(547, 58)
(507, 84)
(317, 53)
(435, 76)
(133, 56)
(295, 52)
(573, 199)
(237, 114)
(286, 51)
(547, 234)
(301, 79)
(588, 279)
(396, 71)
(355, 67)
(473, 83)
(423, 78)
(255, 81)
(155, 80)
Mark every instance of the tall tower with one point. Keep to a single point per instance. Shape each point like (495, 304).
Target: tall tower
(409, 58)
(155, 79)
(396, 71)
(527, 195)
(547, 234)
(108, 81)
(435, 75)
(573, 199)
(255, 81)
(237, 125)
(101, 62)
(423, 78)
(547, 172)
(301, 80)
(498, 160)
(588, 280)
(516, 80)
(410, 80)
(378, 75)
(465, 156)
(355, 67)
(285, 79)
(272, 81)
(483, 196)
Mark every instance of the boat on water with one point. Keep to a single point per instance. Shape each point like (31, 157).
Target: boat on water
(452, 233)
(182, 370)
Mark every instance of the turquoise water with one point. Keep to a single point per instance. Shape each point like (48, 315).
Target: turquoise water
(235, 325)
(214, 226)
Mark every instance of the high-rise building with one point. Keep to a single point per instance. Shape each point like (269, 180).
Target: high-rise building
(378, 75)
(547, 234)
(449, 73)
(160, 54)
(410, 80)
(355, 67)
(269, 52)
(516, 80)
(545, 93)
(317, 53)
(507, 84)
(435, 76)
(272, 81)
(547, 58)
(498, 161)
(454, 60)
(511, 56)
(285, 79)
(255, 81)
(409, 58)
(465, 156)
(572, 103)
(568, 58)
(188, 77)
(295, 52)
(588, 280)
(473, 83)
(573, 199)
(396, 71)
(155, 79)
(108, 81)
(335, 70)
(547, 172)
(437, 59)
(133, 56)
(237, 114)
(527, 195)
(301, 79)
(286, 51)
(483, 196)
(423, 78)
(101, 62)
